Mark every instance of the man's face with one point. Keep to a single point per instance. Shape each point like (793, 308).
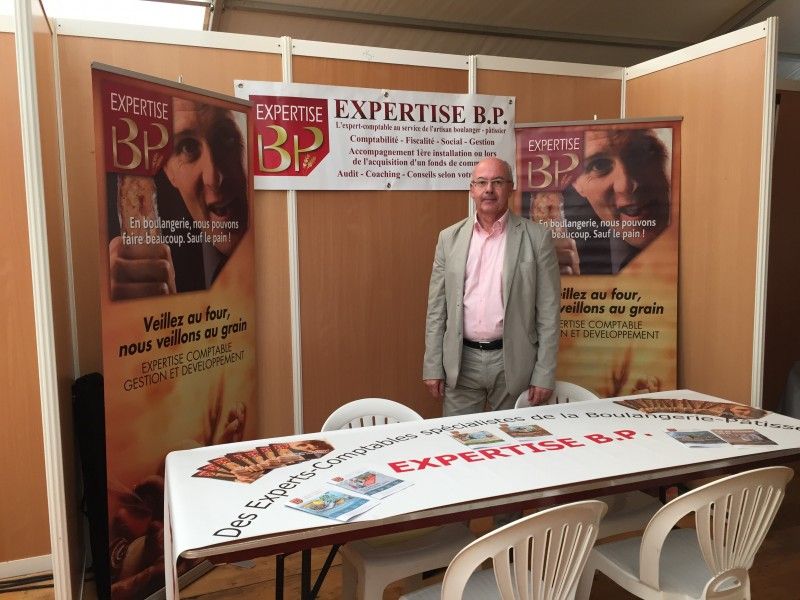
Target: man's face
(623, 179)
(206, 168)
(490, 188)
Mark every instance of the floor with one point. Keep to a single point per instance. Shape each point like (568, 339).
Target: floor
(774, 575)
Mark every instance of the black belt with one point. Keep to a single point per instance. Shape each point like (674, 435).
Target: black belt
(493, 345)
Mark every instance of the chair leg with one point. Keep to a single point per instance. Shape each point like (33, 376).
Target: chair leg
(360, 585)
(349, 579)
(584, 589)
(371, 588)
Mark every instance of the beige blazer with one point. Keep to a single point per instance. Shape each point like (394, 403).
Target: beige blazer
(531, 301)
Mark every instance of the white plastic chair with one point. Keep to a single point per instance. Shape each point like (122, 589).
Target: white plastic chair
(732, 517)
(627, 511)
(550, 549)
(367, 412)
(368, 566)
(562, 393)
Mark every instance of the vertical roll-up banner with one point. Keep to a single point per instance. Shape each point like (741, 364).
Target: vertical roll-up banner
(176, 296)
(610, 194)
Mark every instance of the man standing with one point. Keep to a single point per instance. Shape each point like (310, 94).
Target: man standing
(493, 304)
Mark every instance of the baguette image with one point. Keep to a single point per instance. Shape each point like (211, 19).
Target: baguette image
(137, 207)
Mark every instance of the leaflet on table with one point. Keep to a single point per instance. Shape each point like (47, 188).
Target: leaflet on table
(477, 438)
(729, 410)
(525, 431)
(370, 482)
(720, 437)
(332, 504)
(246, 466)
(743, 437)
(696, 439)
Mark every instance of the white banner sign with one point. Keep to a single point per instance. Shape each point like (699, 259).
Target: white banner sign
(320, 137)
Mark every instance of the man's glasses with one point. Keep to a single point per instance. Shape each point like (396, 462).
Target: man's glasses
(482, 184)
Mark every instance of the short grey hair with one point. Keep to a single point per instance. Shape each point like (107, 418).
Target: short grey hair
(508, 168)
(505, 163)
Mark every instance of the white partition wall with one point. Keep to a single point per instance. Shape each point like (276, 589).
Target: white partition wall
(39, 149)
(724, 89)
(22, 442)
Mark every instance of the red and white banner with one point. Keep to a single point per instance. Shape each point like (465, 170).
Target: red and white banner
(320, 137)
(610, 194)
(177, 297)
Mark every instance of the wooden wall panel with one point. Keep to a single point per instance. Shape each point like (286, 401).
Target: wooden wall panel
(365, 262)
(208, 68)
(363, 73)
(274, 315)
(543, 98)
(720, 97)
(782, 343)
(23, 509)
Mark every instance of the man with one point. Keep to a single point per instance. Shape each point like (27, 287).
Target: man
(204, 183)
(493, 304)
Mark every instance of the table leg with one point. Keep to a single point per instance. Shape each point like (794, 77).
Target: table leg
(305, 575)
(306, 591)
(324, 571)
(279, 558)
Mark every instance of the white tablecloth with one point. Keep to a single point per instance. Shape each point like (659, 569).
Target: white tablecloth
(594, 440)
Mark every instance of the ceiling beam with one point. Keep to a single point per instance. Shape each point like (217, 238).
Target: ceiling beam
(450, 27)
(205, 3)
(215, 14)
(740, 18)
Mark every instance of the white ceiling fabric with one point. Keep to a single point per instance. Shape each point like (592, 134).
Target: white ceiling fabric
(611, 32)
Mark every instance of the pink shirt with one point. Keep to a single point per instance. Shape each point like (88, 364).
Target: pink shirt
(483, 282)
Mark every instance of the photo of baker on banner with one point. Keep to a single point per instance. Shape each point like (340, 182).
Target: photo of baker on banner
(604, 210)
(202, 184)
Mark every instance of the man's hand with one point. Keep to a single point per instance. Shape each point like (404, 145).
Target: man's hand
(567, 254)
(435, 387)
(538, 395)
(140, 270)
